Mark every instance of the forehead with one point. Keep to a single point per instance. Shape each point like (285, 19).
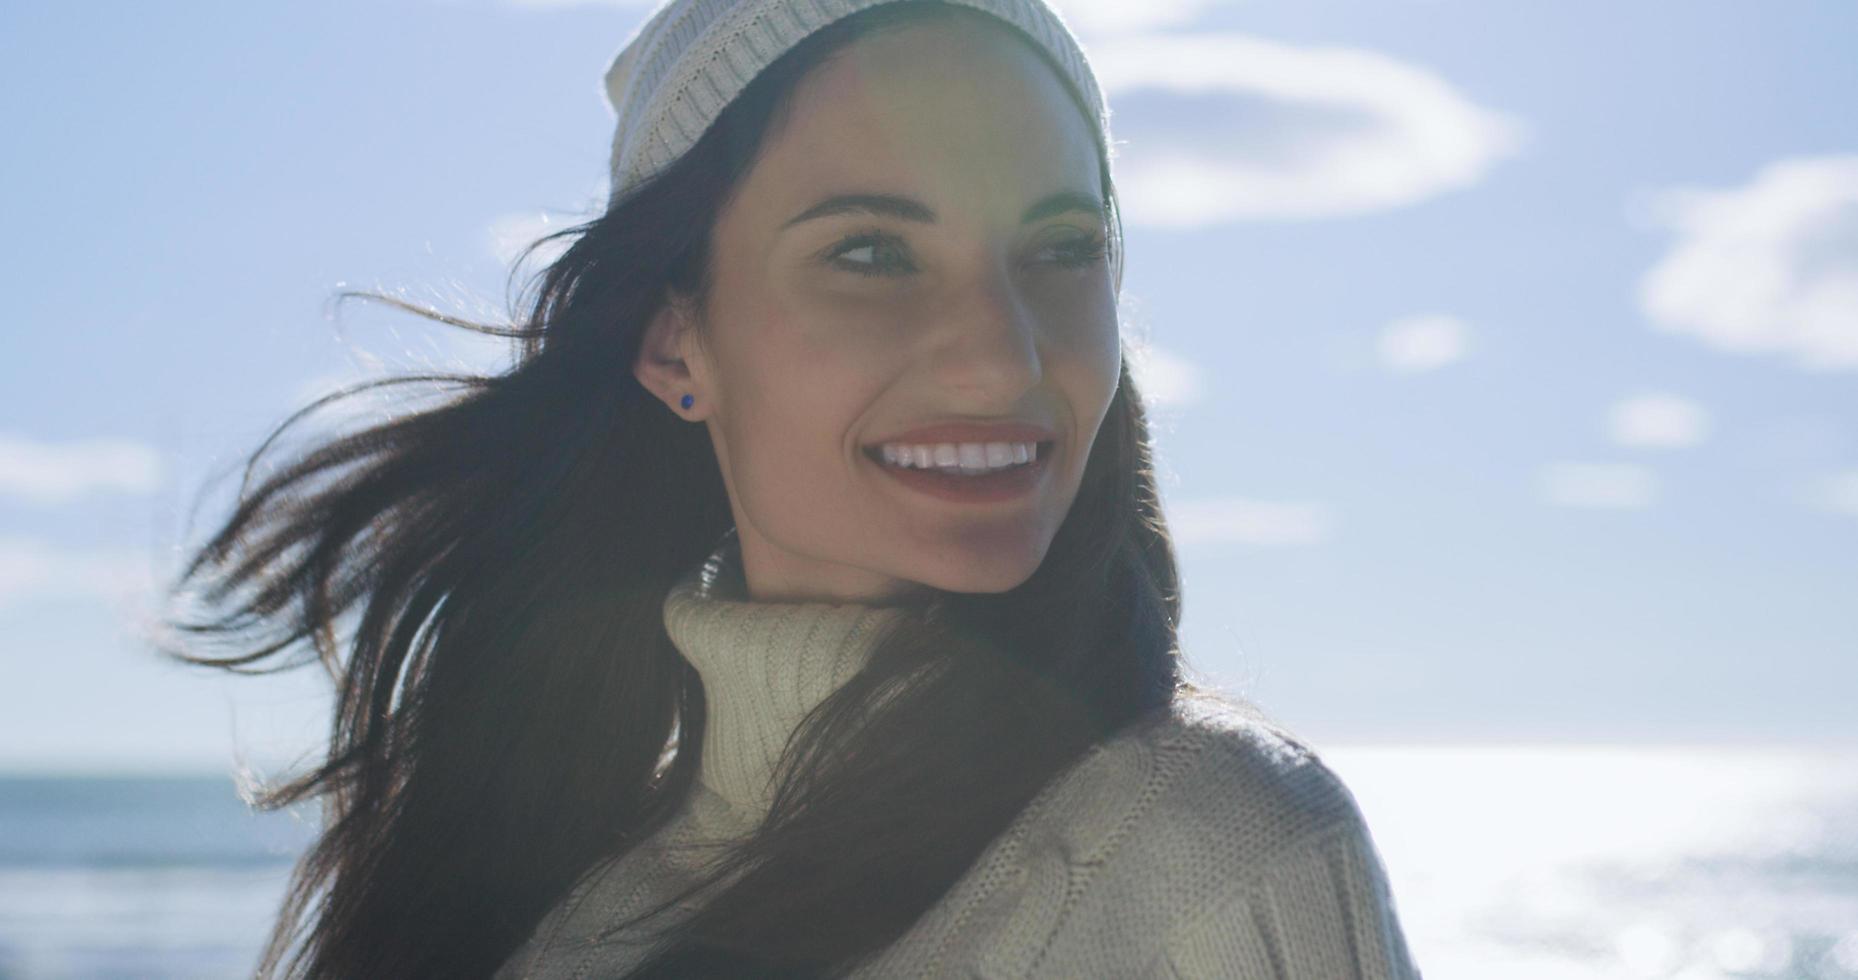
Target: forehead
(959, 112)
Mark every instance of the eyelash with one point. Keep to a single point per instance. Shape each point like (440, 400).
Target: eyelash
(1085, 251)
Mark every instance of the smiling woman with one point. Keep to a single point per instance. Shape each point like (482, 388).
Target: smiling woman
(928, 294)
(799, 604)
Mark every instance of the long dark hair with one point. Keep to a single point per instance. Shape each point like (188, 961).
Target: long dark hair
(510, 710)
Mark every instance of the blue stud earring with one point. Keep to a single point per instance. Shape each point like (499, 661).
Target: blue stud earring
(688, 399)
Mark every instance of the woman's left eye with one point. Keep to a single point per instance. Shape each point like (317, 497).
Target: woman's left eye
(1081, 252)
(1071, 254)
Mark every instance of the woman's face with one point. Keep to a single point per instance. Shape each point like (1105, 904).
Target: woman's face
(978, 295)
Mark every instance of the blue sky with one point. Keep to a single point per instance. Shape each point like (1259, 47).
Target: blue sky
(1505, 356)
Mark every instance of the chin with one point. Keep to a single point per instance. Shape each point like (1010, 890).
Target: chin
(989, 580)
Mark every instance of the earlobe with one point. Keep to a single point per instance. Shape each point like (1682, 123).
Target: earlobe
(661, 367)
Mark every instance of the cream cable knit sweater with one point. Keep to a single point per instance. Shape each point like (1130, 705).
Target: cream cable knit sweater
(1211, 843)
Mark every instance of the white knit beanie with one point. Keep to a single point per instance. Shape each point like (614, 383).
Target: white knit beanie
(692, 57)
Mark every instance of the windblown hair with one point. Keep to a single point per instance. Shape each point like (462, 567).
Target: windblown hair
(510, 711)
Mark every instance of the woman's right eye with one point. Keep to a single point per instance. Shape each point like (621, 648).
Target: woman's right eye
(872, 264)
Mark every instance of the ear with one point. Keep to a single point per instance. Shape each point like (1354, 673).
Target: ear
(662, 366)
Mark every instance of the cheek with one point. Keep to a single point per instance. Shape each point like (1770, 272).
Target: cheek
(1089, 381)
(806, 378)
(1091, 365)
(1086, 324)
(862, 331)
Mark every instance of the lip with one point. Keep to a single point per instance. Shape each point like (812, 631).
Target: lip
(969, 432)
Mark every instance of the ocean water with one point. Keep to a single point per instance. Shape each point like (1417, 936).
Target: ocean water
(1519, 863)
(1610, 863)
(139, 877)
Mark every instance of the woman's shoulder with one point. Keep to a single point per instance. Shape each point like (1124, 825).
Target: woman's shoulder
(1162, 842)
(1205, 840)
(1212, 774)
(1245, 761)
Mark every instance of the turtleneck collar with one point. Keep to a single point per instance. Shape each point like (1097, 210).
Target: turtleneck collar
(764, 665)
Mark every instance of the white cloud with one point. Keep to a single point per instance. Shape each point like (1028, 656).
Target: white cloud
(1086, 17)
(54, 473)
(1212, 128)
(1249, 521)
(1657, 419)
(1837, 493)
(1422, 342)
(32, 570)
(1602, 485)
(1770, 267)
(1165, 378)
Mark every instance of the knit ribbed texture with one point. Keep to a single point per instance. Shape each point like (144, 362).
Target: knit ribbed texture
(691, 58)
(791, 655)
(1207, 843)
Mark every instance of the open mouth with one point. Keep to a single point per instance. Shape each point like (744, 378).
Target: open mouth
(1042, 451)
(998, 486)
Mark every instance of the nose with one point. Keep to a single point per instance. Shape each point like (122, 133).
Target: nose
(991, 347)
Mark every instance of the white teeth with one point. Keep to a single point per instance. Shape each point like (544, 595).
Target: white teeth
(967, 457)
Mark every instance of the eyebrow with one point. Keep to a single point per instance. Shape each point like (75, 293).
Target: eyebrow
(910, 209)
